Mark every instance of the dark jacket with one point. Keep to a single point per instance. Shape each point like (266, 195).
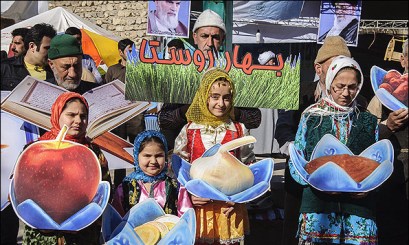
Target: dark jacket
(13, 71)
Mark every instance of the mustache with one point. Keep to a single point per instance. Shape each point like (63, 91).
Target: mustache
(69, 78)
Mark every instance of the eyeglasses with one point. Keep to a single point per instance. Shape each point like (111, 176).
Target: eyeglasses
(351, 89)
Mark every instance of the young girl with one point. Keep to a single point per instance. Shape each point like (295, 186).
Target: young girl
(150, 179)
(343, 218)
(70, 109)
(210, 122)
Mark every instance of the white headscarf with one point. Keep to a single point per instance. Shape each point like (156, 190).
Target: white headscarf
(336, 65)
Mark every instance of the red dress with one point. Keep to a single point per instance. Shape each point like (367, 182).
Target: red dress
(212, 225)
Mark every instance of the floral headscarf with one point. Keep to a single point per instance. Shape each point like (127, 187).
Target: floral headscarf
(198, 111)
(138, 174)
(56, 111)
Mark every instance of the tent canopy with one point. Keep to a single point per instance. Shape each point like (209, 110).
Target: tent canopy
(61, 19)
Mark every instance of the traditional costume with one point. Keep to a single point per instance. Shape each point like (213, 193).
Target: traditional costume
(90, 234)
(340, 218)
(165, 190)
(202, 132)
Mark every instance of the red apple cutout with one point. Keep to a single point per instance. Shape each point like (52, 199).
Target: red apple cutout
(60, 176)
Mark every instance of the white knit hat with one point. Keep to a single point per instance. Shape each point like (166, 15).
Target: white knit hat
(265, 57)
(209, 18)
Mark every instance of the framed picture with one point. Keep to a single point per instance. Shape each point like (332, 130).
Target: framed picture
(340, 18)
(168, 18)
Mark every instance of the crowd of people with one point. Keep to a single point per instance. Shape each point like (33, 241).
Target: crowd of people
(331, 105)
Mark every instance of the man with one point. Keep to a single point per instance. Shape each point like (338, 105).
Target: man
(65, 61)
(117, 71)
(345, 21)
(34, 62)
(13, 71)
(165, 19)
(392, 205)
(266, 58)
(174, 43)
(287, 125)
(87, 61)
(17, 43)
(208, 34)
(135, 125)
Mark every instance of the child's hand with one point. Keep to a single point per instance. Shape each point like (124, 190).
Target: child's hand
(227, 211)
(199, 201)
(184, 155)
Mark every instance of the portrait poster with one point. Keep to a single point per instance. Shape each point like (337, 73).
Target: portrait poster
(340, 18)
(168, 18)
(274, 20)
(154, 77)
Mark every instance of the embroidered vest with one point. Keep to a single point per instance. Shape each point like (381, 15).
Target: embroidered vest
(196, 147)
(132, 194)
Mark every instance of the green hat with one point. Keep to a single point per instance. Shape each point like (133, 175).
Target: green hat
(64, 45)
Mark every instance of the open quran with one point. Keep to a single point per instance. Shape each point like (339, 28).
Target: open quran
(32, 100)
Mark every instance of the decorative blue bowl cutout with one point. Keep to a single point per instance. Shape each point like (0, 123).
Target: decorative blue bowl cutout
(387, 99)
(34, 216)
(262, 171)
(118, 230)
(332, 178)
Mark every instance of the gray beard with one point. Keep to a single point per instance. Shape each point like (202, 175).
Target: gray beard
(68, 85)
(169, 22)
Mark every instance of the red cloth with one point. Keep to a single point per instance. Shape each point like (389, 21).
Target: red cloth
(195, 143)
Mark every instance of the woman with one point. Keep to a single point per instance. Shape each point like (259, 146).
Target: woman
(342, 218)
(70, 109)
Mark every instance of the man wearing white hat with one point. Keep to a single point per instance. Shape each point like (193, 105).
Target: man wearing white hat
(209, 33)
(266, 58)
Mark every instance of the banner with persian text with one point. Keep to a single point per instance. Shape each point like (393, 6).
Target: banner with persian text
(174, 77)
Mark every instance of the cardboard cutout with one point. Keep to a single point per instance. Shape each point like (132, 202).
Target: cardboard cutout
(150, 76)
(390, 87)
(225, 186)
(332, 178)
(136, 226)
(15, 134)
(57, 185)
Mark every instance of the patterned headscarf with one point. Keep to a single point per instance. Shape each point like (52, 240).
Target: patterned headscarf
(341, 115)
(198, 111)
(56, 111)
(336, 65)
(138, 174)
